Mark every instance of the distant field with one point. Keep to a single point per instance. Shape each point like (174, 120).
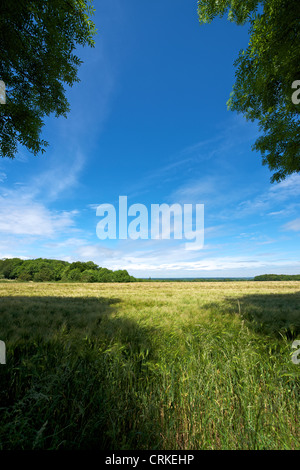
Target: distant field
(150, 365)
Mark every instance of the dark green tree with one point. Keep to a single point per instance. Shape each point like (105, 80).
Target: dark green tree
(10, 268)
(267, 76)
(43, 269)
(37, 43)
(105, 275)
(89, 275)
(121, 275)
(74, 275)
(44, 274)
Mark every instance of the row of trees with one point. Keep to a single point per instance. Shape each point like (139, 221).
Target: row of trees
(277, 277)
(42, 270)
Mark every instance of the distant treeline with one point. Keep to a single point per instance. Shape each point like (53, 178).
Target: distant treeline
(278, 277)
(43, 270)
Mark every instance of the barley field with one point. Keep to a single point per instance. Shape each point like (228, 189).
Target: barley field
(149, 365)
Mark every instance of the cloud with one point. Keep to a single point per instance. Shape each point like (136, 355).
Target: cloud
(64, 244)
(93, 207)
(290, 185)
(293, 225)
(3, 176)
(218, 151)
(277, 213)
(61, 175)
(94, 252)
(197, 190)
(21, 215)
(276, 194)
(207, 265)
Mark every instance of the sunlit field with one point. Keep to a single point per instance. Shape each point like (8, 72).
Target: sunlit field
(150, 365)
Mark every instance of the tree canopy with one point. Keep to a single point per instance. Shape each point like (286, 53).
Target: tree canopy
(37, 43)
(46, 270)
(277, 277)
(267, 74)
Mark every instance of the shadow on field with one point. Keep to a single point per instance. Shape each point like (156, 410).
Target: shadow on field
(75, 375)
(275, 314)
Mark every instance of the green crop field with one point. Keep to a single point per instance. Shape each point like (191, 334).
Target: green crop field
(150, 365)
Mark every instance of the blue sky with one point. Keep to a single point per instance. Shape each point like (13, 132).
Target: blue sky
(149, 120)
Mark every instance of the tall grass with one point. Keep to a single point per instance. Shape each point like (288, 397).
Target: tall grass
(149, 366)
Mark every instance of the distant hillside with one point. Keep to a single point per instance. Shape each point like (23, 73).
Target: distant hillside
(278, 277)
(43, 270)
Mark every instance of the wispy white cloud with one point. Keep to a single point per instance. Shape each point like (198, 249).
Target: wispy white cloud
(59, 176)
(22, 215)
(3, 176)
(218, 151)
(92, 252)
(293, 225)
(205, 265)
(277, 194)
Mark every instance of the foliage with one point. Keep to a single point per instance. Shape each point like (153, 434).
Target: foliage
(41, 269)
(265, 72)
(37, 42)
(277, 277)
